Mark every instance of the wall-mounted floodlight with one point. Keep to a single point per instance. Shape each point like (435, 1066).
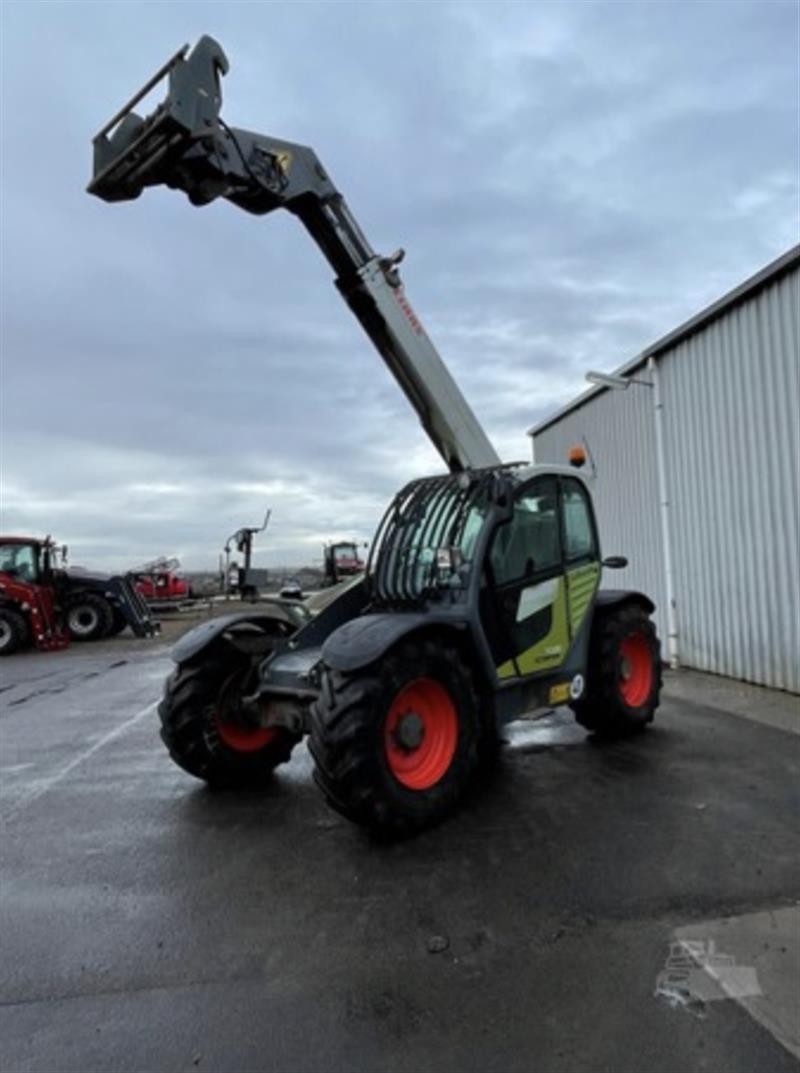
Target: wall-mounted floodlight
(607, 380)
(617, 383)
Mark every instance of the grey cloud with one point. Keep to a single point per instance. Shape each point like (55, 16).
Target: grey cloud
(570, 181)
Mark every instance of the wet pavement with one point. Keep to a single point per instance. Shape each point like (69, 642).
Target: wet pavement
(150, 924)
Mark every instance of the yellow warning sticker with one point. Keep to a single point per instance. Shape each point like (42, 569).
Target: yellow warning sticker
(559, 693)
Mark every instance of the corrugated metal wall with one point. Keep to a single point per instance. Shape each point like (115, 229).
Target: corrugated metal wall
(731, 395)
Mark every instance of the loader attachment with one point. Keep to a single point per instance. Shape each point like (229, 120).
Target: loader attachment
(132, 152)
(185, 145)
(132, 607)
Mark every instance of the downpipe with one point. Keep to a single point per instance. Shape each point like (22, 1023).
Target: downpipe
(663, 501)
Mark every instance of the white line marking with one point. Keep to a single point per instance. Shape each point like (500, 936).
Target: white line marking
(47, 784)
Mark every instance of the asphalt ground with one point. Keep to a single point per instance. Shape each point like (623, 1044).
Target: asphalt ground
(148, 923)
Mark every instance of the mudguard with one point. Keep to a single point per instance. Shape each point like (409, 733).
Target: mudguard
(193, 642)
(607, 598)
(364, 640)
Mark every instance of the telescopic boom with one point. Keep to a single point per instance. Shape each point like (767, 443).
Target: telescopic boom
(184, 144)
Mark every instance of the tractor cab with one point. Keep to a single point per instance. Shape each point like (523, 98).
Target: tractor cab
(31, 561)
(20, 561)
(28, 560)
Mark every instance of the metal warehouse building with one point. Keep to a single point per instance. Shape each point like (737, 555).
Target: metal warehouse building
(697, 478)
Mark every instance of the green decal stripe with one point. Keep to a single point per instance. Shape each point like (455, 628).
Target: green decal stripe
(506, 670)
(551, 650)
(581, 585)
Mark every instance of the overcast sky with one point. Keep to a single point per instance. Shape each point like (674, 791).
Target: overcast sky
(570, 181)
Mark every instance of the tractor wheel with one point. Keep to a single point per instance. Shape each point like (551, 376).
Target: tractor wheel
(89, 616)
(623, 674)
(202, 733)
(13, 631)
(396, 743)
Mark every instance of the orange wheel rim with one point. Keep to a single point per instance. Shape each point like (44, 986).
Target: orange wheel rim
(636, 670)
(421, 734)
(242, 738)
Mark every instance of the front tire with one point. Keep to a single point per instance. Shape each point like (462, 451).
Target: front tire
(13, 631)
(202, 734)
(623, 674)
(89, 617)
(396, 744)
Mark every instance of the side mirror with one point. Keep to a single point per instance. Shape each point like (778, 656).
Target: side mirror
(615, 562)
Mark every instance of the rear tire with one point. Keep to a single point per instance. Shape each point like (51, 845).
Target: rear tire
(396, 744)
(623, 674)
(89, 616)
(13, 631)
(220, 751)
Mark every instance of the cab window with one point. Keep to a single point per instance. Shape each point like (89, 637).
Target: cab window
(20, 561)
(579, 534)
(529, 543)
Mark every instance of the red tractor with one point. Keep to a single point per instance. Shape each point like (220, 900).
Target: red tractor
(29, 612)
(45, 605)
(341, 561)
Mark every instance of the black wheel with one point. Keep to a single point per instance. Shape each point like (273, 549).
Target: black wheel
(396, 744)
(89, 616)
(623, 674)
(13, 631)
(203, 733)
(118, 623)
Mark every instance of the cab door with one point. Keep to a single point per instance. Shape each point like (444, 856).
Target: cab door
(581, 552)
(524, 597)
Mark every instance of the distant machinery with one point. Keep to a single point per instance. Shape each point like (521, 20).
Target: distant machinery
(237, 577)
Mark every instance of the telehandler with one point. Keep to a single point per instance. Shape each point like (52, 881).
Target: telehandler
(481, 598)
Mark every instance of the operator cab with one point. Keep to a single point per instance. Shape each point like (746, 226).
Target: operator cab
(520, 544)
(541, 571)
(20, 561)
(346, 558)
(28, 560)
